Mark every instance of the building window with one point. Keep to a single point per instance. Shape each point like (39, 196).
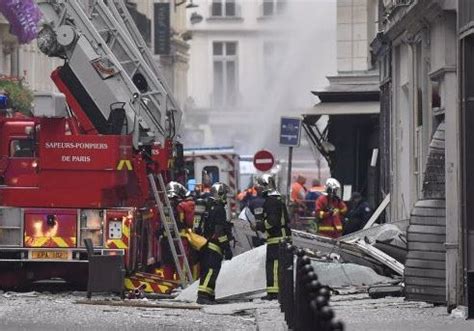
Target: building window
(273, 57)
(273, 7)
(22, 148)
(225, 74)
(226, 8)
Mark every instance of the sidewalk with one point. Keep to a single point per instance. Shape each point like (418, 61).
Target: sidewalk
(359, 312)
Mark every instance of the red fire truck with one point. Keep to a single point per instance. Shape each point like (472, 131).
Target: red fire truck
(79, 168)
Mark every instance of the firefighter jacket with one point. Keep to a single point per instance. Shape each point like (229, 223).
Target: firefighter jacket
(256, 207)
(329, 212)
(275, 220)
(217, 229)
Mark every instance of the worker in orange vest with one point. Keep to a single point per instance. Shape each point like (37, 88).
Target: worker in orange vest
(297, 201)
(330, 210)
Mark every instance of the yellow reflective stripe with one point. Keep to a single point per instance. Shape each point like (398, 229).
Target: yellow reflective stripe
(126, 231)
(222, 238)
(275, 275)
(274, 240)
(214, 247)
(204, 287)
(119, 243)
(272, 289)
(338, 227)
(326, 228)
(60, 242)
(38, 241)
(206, 290)
(267, 225)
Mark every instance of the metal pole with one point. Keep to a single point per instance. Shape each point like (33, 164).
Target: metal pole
(290, 163)
(319, 168)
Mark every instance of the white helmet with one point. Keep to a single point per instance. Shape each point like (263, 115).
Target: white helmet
(175, 189)
(267, 183)
(219, 191)
(333, 187)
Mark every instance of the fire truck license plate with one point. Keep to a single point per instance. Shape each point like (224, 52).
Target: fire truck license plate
(49, 255)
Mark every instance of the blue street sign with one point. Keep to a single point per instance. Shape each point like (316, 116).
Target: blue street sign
(290, 131)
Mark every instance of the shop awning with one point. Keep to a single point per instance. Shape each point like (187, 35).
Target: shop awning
(345, 108)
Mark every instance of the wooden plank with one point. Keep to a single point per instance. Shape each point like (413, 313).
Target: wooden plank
(427, 229)
(423, 255)
(425, 281)
(427, 264)
(140, 304)
(420, 272)
(428, 220)
(377, 212)
(431, 203)
(429, 247)
(426, 237)
(434, 212)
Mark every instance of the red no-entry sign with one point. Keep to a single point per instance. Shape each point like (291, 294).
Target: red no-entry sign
(263, 160)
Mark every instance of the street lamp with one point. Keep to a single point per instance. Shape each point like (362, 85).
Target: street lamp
(195, 18)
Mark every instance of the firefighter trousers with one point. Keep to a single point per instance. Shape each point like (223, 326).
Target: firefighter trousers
(211, 261)
(271, 267)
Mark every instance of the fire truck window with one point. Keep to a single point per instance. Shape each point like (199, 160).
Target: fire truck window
(210, 173)
(21, 148)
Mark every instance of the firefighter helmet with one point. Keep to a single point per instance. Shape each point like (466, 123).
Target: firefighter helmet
(266, 182)
(219, 191)
(333, 187)
(175, 189)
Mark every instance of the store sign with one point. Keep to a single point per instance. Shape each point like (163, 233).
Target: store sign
(162, 31)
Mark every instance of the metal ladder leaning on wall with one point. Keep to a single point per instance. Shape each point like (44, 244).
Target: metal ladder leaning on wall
(171, 229)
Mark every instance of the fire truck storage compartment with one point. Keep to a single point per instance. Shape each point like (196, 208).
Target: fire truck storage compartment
(50, 228)
(91, 226)
(10, 227)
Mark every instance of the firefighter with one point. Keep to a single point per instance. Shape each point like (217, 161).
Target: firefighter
(176, 193)
(245, 196)
(218, 233)
(187, 209)
(358, 215)
(330, 210)
(274, 223)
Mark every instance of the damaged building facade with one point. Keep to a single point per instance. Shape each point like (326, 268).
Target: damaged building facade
(350, 103)
(426, 160)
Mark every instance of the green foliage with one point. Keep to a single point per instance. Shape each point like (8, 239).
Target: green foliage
(21, 97)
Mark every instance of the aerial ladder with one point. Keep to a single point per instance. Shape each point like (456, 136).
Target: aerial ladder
(116, 78)
(106, 56)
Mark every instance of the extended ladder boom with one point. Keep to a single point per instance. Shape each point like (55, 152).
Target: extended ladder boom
(107, 57)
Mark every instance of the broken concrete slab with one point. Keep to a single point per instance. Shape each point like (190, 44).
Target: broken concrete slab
(342, 275)
(380, 256)
(243, 276)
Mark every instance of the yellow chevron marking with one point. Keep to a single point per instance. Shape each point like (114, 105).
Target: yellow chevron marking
(119, 243)
(60, 242)
(126, 163)
(126, 231)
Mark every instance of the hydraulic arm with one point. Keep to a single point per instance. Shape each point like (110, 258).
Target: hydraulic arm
(109, 69)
